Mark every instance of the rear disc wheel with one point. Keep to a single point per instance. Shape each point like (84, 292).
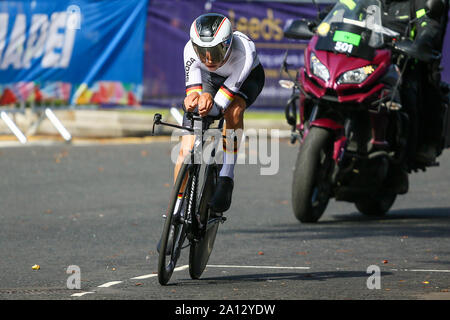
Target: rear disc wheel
(201, 249)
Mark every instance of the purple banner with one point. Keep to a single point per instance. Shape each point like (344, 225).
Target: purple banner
(167, 32)
(168, 27)
(263, 22)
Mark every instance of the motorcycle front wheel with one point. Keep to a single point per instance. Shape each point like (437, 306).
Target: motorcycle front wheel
(310, 186)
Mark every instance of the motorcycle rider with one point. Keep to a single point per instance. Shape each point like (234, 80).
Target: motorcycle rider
(420, 92)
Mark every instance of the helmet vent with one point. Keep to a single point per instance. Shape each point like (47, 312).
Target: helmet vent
(206, 39)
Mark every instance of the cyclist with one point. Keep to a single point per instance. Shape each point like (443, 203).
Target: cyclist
(223, 76)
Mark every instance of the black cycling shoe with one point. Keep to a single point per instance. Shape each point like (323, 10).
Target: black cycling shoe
(214, 215)
(221, 200)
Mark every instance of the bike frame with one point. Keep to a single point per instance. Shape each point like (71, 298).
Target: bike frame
(199, 125)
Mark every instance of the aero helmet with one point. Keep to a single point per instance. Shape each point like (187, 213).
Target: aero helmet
(212, 33)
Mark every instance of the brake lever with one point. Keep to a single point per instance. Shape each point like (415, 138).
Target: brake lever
(156, 120)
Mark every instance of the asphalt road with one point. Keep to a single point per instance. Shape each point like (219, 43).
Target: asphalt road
(99, 207)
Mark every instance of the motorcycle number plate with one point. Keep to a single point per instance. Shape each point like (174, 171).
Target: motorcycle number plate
(343, 47)
(347, 39)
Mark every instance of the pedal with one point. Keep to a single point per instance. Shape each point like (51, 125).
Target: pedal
(221, 219)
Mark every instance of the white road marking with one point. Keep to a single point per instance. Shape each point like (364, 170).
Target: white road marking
(109, 284)
(112, 283)
(80, 294)
(181, 268)
(152, 275)
(256, 267)
(420, 270)
(146, 276)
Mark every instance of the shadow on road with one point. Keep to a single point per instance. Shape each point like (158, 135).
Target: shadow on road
(309, 276)
(437, 213)
(420, 222)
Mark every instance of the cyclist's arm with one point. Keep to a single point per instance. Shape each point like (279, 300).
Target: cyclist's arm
(193, 75)
(428, 30)
(243, 66)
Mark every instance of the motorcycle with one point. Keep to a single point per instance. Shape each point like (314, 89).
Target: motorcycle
(351, 125)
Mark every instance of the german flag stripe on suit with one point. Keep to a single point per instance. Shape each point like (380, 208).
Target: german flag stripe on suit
(227, 93)
(194, 88)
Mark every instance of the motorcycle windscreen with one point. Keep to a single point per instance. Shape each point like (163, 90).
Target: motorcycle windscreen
(348, 39)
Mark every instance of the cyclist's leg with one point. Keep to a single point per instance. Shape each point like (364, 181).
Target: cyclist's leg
(233, 131)
(232, 135)
(234, 117)
(187, 143)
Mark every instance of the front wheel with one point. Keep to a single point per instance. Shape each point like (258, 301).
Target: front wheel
(174, 232)
(310, 186)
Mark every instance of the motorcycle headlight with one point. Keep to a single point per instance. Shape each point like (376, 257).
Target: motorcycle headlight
(357, 75)
(318, 68)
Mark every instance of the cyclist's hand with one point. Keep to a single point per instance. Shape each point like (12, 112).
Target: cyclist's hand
(191, 101)
(205, 103)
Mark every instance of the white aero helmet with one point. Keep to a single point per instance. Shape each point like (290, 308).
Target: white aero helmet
(211, 35)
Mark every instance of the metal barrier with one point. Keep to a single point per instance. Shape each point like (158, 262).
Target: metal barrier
(42, 113)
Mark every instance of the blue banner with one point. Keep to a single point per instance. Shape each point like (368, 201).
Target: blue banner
(72, 51)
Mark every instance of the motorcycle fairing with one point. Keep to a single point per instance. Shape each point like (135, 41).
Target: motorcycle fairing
(337, 64)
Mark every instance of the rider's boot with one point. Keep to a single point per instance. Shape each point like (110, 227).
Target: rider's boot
(221, 199)
(427, 153)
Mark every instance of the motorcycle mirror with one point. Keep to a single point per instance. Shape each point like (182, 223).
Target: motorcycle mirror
(284, 65)
(435, 8)
(299, 29)
(287, 84)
